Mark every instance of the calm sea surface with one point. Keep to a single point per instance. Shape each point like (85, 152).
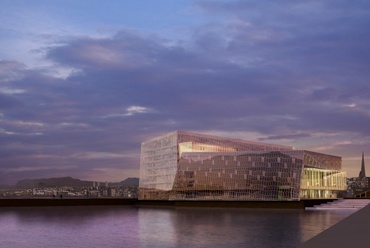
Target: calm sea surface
(116, 226)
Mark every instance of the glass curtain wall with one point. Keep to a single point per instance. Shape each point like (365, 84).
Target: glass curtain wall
(189, 166)
(319, 183)
(160, 157)
(258, 176)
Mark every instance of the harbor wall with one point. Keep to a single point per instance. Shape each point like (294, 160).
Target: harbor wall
(34, 202)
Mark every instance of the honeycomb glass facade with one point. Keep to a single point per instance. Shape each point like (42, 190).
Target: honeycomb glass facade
(189, 166)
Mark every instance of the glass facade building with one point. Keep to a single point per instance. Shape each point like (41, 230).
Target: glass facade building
(190, 166)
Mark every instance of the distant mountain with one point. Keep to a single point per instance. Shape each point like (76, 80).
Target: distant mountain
(68, 182)
(131, 181)
(53, 182)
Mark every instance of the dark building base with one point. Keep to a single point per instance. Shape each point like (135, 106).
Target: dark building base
(34, 202)
(236, 204)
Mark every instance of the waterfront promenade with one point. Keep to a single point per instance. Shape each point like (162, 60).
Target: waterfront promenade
(352, 231)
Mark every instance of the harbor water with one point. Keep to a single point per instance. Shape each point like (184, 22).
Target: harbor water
(157, 227)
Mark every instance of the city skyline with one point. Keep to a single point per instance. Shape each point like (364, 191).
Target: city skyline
(82, 84)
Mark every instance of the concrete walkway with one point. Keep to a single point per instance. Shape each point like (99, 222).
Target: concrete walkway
(342, 204)
(353, 231)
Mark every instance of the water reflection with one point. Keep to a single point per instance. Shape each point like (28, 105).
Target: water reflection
(160, 227)
(313, 222)
(199, 227)
(68, 227)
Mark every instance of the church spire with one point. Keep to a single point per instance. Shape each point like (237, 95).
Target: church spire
(362, 172)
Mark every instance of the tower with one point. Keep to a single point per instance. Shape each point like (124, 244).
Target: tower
(362, 174)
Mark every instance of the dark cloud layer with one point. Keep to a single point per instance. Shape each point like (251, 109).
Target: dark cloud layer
(284, 70)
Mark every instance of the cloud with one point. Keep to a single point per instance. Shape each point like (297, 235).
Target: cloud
(8, 102)
(287, 136)
(10, 71)
(11, 91)
(331, 146)
(136, 109)
(103, 155)
(289, 72)
(71, 124)
(131, 110)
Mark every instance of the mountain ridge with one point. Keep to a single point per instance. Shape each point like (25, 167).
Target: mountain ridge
(69, 182)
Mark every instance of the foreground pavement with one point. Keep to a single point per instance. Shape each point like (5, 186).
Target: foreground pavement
(353, 231)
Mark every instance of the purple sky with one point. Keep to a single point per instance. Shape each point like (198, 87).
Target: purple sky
(83, 83)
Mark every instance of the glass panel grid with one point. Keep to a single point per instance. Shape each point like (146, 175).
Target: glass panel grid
(189, 166)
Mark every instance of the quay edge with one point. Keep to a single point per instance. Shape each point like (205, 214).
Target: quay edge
(38, 202)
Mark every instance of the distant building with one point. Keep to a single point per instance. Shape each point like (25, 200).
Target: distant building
(360, 184)
(191, 166)
(362, 174)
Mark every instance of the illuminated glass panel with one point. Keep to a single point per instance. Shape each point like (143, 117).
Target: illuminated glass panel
(320, 183)
(199, 147)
